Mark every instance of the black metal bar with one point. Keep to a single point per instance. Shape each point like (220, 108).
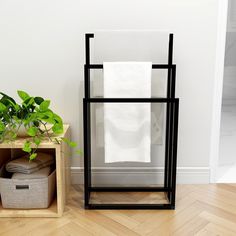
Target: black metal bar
(154, 66)
(87, 48)
(86, 170)
(167, 146)
(130, 206)
(167, 150)
(89, 144)
(86, 70)
(171, 120)
(167, 142)
(90, 35)
(170, 151)
(87, 96)
(86, 82)
(173, 73)
(128, 189)
(131, 100)
(170, 50)
(175, 142)
(171, 132)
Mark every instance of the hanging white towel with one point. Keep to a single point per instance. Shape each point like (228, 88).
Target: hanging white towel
(127, 126)
(157, 123)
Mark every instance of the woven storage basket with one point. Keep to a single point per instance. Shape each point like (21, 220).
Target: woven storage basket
(27, 193)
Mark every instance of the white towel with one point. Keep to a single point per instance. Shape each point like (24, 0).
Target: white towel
(127, 126)
(157, 123)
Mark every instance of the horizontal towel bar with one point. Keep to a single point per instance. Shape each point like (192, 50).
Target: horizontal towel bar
(132, 100)
(154, 66)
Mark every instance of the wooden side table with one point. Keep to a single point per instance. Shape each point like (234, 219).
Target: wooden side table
(62, 155)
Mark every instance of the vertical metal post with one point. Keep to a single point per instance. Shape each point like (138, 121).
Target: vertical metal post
(86, 169)
(171, 131)
(167, 143)
(174, 154)
(86, 69)
(173, 73)
(87, 123)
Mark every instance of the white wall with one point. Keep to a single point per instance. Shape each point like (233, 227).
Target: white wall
(42, 52)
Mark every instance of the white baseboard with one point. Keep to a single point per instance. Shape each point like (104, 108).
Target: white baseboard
(141, 176)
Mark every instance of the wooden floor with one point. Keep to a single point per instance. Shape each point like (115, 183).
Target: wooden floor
(201, 210)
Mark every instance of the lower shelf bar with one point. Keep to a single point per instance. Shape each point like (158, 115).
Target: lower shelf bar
(129, 189)
(130, 206)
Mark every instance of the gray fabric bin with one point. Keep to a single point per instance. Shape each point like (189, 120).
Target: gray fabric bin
(27, 193)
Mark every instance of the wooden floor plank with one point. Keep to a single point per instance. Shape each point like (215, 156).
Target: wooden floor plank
(219, 221)
(213, 228)
(174, 223)
(192, 227)
(74, 229)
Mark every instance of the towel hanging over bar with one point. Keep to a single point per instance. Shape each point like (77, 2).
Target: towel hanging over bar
(127, 127)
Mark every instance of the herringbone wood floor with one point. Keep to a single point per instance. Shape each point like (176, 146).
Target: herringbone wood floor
(201, 210)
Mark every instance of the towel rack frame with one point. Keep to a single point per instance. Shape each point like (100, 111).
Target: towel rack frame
(171, 139)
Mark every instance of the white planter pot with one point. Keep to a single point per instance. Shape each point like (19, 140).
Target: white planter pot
(22, 132)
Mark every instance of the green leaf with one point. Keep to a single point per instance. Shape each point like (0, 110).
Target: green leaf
(66, 140)
(16, 119)
(32, 156)
(44, 105)
(2, 107)
(27, 147)
(37, 141)
(28, 101)
(14, 105)
(57, 118)
(32, 131)
(72, 144)
(48, 113)
(79, 152)
(6, 97)
(23, 95)
(49, 120)
(2, 126)
(36, 123)
(57, 128)
(46, 116)
(38, 100)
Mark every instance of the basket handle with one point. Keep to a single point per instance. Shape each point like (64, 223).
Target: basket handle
(22, 187)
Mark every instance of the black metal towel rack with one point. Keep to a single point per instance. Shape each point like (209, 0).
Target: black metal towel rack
(172, 113)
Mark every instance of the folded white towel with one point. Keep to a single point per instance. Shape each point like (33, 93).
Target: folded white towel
(127, 127)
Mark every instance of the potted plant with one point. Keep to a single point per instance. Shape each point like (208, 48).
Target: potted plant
(33, 117)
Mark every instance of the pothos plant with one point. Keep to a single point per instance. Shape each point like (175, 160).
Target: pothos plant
(35, 116)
